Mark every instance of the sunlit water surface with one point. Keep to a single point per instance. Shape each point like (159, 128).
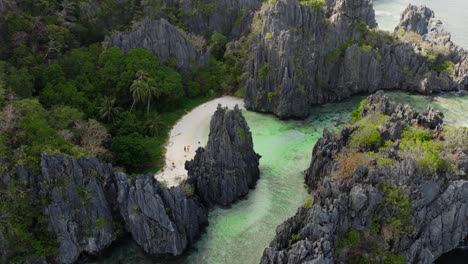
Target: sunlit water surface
(238, 235)
(453, 13)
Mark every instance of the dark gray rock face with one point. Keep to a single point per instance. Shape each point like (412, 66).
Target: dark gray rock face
(416, 19)
(161, 220)
(227, 168)
(90, 203)
(231, 18)
(162, 39)
(301, 56)
(364, 204)
(79, 212)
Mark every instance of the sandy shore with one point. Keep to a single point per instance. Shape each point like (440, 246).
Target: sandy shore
(191, 132)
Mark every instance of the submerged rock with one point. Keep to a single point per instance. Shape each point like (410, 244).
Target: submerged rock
(227, 168)
(385, 205)
(416, 19)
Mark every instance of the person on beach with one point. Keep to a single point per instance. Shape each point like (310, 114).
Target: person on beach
(185, 149)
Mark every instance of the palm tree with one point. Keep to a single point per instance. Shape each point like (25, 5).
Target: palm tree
(153, 90)
(153, 124)
(139, 88)
(108, 111)
(143, 89)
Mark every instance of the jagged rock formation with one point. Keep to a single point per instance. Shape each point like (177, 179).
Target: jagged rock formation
(383, 205)
(416, 19)
(162, 39)
(301, 56)
(227, 168)
(89, 204)
(231, 18)
(84, 222)
(161, 220)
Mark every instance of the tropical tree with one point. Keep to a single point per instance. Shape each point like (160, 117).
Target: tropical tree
(108, 111)
(143, 89)
(153, 125)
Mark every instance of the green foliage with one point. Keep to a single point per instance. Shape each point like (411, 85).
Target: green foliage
(241, 132)
(309, 203)
(454, 137)
(268, 35)
(432, 161)
(356, 114)
(426, 152)
(381, 160)
(218, 45)
(22, 223)
(362, 26)
(38, 137)
(447, 66)
(21, 82)
(131, 151)
(337, 52)
(271, 96)
(366, 48)
(394, 259)
(263, 71)
(295, 236)
(412, 136)
(61, 116)
(314, 4)
(401, 221)
(367, 136)
(350, 240)
(240, 93)
(333, 54)
(101, 222)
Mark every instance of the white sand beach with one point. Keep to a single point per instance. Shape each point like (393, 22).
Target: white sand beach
(191, 132)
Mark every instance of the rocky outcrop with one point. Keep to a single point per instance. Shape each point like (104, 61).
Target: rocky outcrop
(227, 168)
(89, 205)
(85, 205)
(416, 19)
(366, 210)
(161, 220)
(301, 55)
(231, 18)
(84, 223)
(162, 39)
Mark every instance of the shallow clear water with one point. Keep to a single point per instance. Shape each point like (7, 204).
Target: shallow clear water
(451, 12)
(239, 235)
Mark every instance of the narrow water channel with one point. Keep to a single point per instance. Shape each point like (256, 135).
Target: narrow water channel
(238, 235)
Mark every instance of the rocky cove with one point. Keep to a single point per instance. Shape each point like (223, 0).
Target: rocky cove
(240, 233)
(286, 56)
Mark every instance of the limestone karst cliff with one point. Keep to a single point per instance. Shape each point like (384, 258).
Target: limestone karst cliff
(227, 167)
(86, 205)
(389, 187)
(299, 53)
(416, 19)
(301, 56)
